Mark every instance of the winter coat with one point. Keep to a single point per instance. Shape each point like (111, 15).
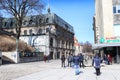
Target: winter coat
(76, 60)
(96, 62)
(81, 57)
(63, 58)
(70, 58)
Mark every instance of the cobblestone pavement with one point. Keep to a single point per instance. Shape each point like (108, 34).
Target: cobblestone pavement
(52, 70)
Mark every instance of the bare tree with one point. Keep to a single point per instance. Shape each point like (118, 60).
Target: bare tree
(87, 47)
(19, 9)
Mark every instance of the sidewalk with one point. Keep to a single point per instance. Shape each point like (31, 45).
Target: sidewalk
(53, 71)
(108, 72)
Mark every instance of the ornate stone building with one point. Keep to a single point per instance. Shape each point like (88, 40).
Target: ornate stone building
(48, 33)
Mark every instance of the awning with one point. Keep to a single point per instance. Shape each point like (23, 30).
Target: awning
(102, 45)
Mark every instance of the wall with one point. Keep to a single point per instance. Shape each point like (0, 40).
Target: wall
(107, 18)
(11, 56)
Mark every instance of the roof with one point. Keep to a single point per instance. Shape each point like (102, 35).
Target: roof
(38, 20)
(99, 46)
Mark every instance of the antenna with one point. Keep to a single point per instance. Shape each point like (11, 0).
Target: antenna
(48, 6)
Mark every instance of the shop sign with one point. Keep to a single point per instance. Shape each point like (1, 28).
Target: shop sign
(110, 40)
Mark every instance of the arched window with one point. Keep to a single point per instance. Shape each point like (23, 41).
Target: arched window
(51, 41)
(40, 31)
(25, 32)
(30, 31)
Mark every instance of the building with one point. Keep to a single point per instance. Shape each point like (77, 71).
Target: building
(78, 47)
(48, 33)
(106, 28)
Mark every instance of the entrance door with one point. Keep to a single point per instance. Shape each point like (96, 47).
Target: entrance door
(51, 55)
(58, 55)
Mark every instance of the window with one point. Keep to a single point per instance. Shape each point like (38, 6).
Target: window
(40, 20)
(118, 11)
(5, 23)
(24, 23)
(40, 31)
(47, 20)
(30, 31)
(30, 22)
(47, 29)
(51, 41)
(11, 23)
(25, 32)
(114, 9)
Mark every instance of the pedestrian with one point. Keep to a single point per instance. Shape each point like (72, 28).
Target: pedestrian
(69, 59)
(81, 60)
(45, 58)
(96, 63)
(109, 59)
(76, 64)
(63, 60)
(106, 59)
(48, 58)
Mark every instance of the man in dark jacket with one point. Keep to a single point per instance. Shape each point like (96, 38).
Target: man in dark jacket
(81, 60)
(63, 60)
(70, 59)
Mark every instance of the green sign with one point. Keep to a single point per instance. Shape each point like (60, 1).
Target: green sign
(103, 40)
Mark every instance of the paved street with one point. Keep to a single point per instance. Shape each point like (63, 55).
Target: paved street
(53, 71)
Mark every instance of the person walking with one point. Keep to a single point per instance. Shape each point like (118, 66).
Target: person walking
(70, 58)
(76, 64)
(63, 60)
(45, 58)
(96, 63)
(109, 59)
(81, 60)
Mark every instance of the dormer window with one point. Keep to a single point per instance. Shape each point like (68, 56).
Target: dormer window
(47, 20)
(11, 24)
(5, 23)
(40, 20)
(30, 22)
(24, 23)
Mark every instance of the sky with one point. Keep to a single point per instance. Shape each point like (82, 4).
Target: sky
(79, 14)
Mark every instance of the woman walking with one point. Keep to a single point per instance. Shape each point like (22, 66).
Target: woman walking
(96, 63)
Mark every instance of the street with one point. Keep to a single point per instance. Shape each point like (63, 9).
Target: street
(52, 70)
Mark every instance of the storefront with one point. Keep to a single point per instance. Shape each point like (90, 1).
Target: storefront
(108, 48)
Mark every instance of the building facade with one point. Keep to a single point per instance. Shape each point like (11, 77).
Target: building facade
(78, 47)
(47, 33)
(106, 27)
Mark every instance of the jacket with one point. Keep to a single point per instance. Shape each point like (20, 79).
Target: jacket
(96, 62)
